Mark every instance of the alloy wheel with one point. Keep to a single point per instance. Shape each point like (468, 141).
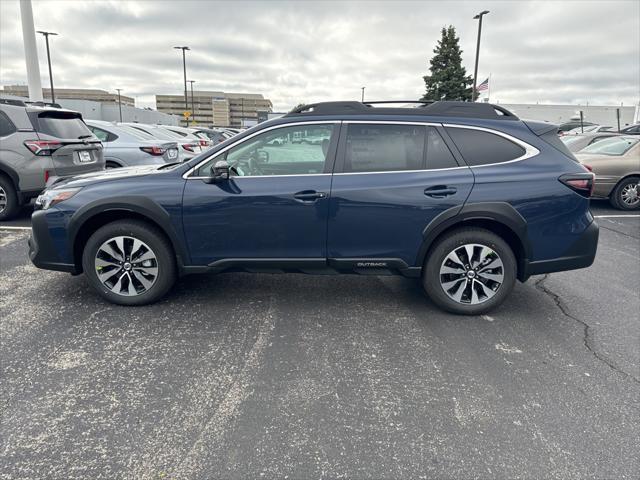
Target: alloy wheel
(471, 274)
(126, 266)
(3, 199)
(631, 194)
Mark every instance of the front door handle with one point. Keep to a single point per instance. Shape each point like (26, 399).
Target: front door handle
(440, 191)
(309, 196)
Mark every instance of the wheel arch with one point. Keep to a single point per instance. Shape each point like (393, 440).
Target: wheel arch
(497, 217)
(95, 215)
(11, 174)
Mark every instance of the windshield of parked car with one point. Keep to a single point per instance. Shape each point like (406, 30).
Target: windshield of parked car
(611, 146)
(134, 132)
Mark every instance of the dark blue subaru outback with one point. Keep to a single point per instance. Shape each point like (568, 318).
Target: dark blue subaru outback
(465, 196)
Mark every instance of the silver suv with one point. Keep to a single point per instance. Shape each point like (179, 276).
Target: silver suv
(38, 142)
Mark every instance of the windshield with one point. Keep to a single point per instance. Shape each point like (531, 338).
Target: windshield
(611, 146)
(157, 132)
(134, 132)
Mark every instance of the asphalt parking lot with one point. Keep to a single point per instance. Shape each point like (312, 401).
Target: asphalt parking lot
(291, 376)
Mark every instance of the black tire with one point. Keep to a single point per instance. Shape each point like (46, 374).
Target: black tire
(109, 165)
(431, 278)
(616, 197)
(156, 241)
(10, 206)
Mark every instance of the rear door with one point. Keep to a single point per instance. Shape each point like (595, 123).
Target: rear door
(391, 180)
(73, 148)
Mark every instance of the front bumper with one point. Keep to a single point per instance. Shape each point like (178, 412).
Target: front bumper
(581, 255)
(42, 252)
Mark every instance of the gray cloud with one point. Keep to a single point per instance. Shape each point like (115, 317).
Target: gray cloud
(561, 52)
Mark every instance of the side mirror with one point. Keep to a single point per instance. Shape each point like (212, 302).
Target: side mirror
(219, 172)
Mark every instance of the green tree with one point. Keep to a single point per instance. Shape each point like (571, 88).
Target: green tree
(448, 79)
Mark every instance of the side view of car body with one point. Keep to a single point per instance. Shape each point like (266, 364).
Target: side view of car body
(39, 142)
(631, 129)
(464, 196)
(128, 147)
(615, 162)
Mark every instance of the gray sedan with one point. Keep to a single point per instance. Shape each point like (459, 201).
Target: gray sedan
(125, 146)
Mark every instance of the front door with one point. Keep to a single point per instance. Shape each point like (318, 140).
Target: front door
(274, 205)
(391, 180)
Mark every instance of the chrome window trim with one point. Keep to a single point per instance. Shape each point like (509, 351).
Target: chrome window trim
(529, 150)
(242, 140)
(392, 122)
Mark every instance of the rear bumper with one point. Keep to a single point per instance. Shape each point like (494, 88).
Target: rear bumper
(580, 255)
(41, 248)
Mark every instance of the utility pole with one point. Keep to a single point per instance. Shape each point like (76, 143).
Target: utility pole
(30, 51)
(184, 68)
(46, 37)
(119, 104)
(193, 111)
(362, 93)
(475, 69)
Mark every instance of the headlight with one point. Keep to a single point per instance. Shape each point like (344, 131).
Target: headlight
(49, 198)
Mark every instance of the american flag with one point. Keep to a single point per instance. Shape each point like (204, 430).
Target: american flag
(483, 86)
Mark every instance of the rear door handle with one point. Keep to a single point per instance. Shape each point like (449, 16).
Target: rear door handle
(309, 196)
(440, 191)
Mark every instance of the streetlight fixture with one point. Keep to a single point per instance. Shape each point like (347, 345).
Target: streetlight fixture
(184, 68)
(46, 38)
(193, 111)
(362, 88)
(119, 104)
(475, 69)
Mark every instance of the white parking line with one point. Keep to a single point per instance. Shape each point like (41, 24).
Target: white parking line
(616, 216)
(3, 227)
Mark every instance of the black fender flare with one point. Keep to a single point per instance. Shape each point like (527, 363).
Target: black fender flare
(12, 174)
(499, 212)
(139, 205)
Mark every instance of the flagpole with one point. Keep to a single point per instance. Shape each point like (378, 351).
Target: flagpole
(489, 89)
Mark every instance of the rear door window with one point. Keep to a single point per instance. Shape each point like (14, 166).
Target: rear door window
(438, 154)
(62, 125)
(479, 147)
(6, 125)
(384, 148)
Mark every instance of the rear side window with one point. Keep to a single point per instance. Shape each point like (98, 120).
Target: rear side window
(6, 125)
(62, 125)
(438, 154)
(482, 148)
(384, 148)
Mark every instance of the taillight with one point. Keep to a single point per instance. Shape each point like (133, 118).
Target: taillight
(204, 143)
(42, 147)
(188, 146)
(46, 176)
(588, 167)
(156, 151)
(581, 183)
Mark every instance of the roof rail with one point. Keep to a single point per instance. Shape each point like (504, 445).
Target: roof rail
(444, 108)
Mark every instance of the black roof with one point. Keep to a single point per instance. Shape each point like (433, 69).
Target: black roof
(438, 108)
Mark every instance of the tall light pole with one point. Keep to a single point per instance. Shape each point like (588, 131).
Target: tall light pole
(119, 104)
(46, 38)
(30, 51)
(362, 93)
(193, 112)
(184, 68)
(475, 69)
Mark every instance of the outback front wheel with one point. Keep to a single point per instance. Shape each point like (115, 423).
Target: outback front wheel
(469, 271)
(129, 263)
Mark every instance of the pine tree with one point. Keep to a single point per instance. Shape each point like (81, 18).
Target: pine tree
(448, 79)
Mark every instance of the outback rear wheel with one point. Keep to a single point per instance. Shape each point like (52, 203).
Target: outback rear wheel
(626, 195)
(9, 205)
(129, 262)
(469, 271)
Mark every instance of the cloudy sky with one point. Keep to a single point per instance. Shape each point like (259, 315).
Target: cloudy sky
(306, 51)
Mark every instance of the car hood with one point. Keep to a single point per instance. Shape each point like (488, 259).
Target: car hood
(102, 176)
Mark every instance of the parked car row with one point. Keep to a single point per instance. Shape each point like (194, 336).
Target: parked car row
(40, 141)
(614, 158)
